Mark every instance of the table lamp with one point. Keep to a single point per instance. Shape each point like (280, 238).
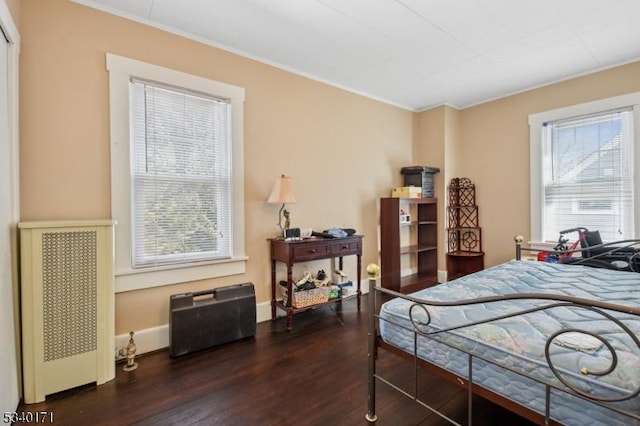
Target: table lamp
(282, 194)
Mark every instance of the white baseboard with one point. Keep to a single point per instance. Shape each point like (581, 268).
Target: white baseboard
(156, 338)
(147, 340)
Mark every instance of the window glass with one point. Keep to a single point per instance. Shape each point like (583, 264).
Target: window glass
(177, 175)
(180, 175)
(587, 175)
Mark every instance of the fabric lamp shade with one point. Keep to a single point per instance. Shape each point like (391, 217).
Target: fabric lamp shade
(282, 192)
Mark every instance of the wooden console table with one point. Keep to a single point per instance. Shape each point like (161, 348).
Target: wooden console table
(291, 252)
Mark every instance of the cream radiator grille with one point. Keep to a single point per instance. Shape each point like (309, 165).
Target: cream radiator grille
(69, 293)
(67, 297)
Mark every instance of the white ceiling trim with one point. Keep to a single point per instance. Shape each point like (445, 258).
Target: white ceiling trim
(411, 54)
(538, 86)
(208, 42)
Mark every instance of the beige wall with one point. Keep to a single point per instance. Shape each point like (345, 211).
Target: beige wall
(434, 145)
(495, 150)
(343, 151)
(489, 144)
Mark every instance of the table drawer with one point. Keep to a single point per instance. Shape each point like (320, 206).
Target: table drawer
(310, 252)
(343, 248)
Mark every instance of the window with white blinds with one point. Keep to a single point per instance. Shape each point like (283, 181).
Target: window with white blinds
(582, 166)
(177, 175)
(180, 175)
(588, 175)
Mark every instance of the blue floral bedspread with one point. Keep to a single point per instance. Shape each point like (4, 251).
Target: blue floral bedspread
(517, 344)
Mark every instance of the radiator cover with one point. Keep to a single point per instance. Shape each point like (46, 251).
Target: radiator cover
(68, 325)
(208, 318)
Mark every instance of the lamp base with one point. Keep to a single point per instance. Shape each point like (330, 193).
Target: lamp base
(287, 222)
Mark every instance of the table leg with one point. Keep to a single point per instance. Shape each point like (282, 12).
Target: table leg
(289, 319)
(273, 290)
(359, 274)
(289, 297)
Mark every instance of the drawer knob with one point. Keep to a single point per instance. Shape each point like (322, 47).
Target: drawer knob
(312, 250)
(345, 247)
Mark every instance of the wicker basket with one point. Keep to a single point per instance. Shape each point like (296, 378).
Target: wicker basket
(302, 299)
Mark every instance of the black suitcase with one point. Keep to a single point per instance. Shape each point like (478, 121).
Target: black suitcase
(208, 318)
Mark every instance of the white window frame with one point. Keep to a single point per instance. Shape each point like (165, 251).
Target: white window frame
(536, 122)
(121, 70)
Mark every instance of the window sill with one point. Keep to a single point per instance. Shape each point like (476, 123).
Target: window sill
(154, 277)
(540, 245)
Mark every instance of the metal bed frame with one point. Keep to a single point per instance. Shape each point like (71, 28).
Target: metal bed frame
(420, 328)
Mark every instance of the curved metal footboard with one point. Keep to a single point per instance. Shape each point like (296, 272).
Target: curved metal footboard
(420, 317)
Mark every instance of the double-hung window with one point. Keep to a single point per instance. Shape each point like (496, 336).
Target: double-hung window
(181, 175)
(583, 160)
(177, 176)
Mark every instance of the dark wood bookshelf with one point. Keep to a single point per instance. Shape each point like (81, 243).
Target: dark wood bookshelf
(416, 239)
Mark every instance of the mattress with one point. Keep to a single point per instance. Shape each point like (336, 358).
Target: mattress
(517, 344)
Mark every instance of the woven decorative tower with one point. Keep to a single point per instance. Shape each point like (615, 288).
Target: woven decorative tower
(464, 248)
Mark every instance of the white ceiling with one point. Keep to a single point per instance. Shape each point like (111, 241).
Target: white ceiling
(411, 53)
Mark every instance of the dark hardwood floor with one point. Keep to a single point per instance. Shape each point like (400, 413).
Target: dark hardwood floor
(314, 375)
